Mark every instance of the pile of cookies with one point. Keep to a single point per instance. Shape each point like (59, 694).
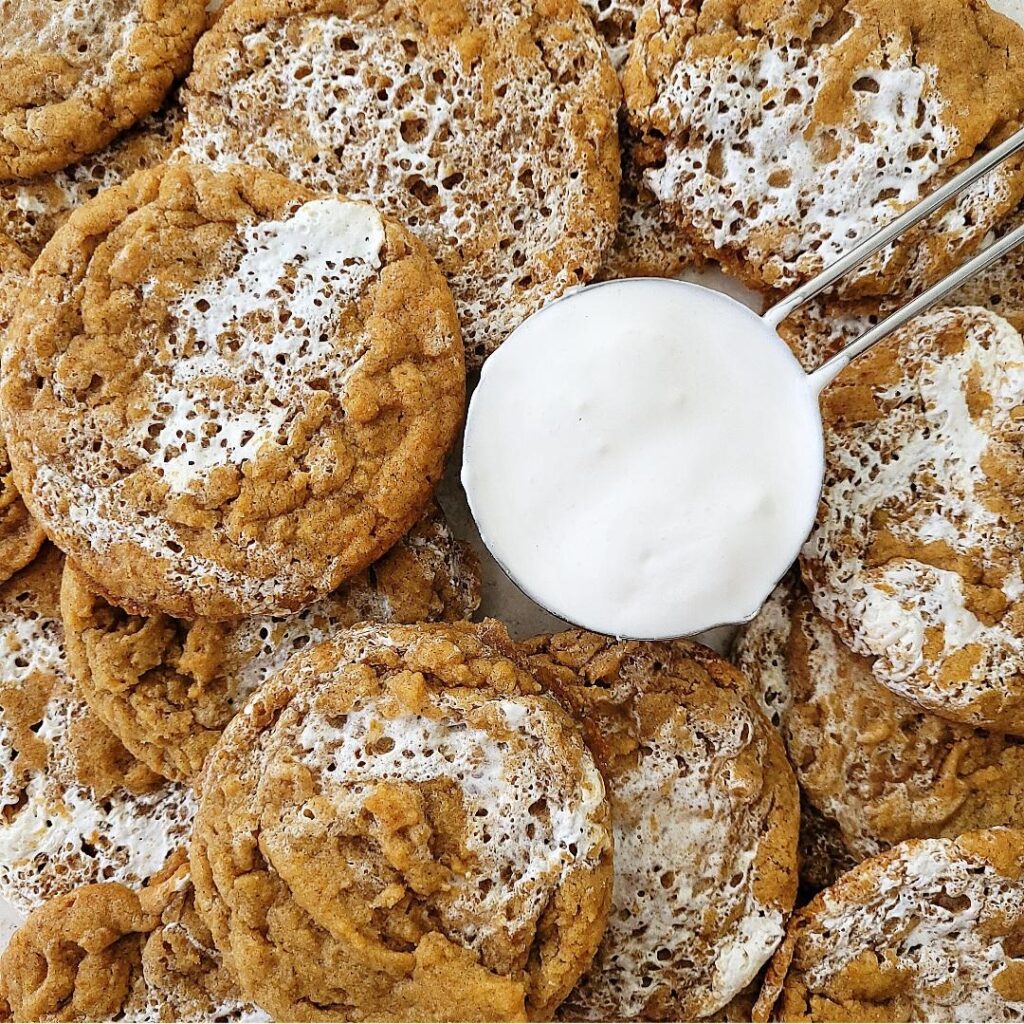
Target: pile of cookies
(256, 760)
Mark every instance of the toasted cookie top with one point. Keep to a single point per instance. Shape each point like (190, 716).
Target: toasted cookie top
(107, 952)
(489, 129)
(916, 557)
(930, 930)
(31, 211)
(167, 687)
(75, 806)
(705, 814)
(426, 835)
(73, 74)
(616, 21)
(225, 396)
(878, 766)
(783, 133)
(20, 535)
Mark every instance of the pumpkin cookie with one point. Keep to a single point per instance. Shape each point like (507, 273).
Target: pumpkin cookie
(167, 687)
(878, 766)
(705, 816)
(21, 536)
(401, 826)
(225, 396)
(824, 326)
(75, 806)
(105, 952)
(31, 211)
(74, 73)
(916, 558)
(931, 930)
(489, 129)
(782, 135)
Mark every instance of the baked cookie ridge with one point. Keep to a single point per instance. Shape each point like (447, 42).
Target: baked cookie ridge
(262, 386)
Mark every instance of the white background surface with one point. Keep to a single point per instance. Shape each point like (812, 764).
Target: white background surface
(501, 599)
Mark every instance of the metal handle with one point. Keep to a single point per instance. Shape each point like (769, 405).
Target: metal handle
(878, 241)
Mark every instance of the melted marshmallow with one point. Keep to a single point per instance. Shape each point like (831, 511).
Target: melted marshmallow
(644, 458)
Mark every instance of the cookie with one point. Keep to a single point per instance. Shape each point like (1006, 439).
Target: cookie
(106, 952)
(21, 537)
(705, 817)
(916, 556)
(75, 806)
(75, 74)
(400, 826)
(876, 765)
(489, 129)
(930, 930)
(824, 326)
(167, 687)
(225, 396)
(824, 857)
(31, 211)
(782, 135)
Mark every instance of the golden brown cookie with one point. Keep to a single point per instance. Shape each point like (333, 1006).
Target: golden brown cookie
(822, 327)
(931, 930)
(878, 767)
(74, 73)
(31, 211)
(225, 396)
(167, 687)
(489, 129)
(106, 952)
(75, 806)
(21, 536)
(401, 826)
(784, 133)
(705, 815)
(917, 555)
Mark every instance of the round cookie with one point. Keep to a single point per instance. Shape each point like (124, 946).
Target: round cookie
(705, 816)
(224, 396)
(31, 211)
(916, 558)
(490, 129)
(783, 135)
(876, 765)
(167, 687)
(822, 327)
(401, 826)
(75, 806)
(75, 73)
(930, 930)
(21, 537)
(105, 952)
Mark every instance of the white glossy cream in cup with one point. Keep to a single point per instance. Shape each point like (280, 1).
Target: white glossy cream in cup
(644, 458)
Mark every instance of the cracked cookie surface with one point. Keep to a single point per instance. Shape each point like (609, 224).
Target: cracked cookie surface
(225, 395)
(401, 825)
(705, 813)
(168, 687)
(783, 133)
(916, 556)
(930, 930)
(75, 73)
